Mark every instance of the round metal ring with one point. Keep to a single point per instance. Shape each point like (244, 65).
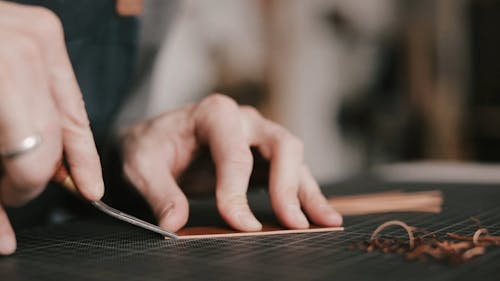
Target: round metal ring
(27, 144)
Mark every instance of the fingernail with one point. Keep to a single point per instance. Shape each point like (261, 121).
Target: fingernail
(163, 217)
(249, 222)
(167, 210)
(99, 190)
(299, 219)
(333, 217)
(95, 191)
(7, 245)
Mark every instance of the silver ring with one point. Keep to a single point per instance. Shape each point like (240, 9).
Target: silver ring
(27, 144)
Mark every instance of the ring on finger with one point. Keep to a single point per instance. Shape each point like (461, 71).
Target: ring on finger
(25, 145)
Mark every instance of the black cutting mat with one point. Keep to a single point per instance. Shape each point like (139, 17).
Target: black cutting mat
(103, 249)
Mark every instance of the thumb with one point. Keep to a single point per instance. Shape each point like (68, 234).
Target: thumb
(7, 236)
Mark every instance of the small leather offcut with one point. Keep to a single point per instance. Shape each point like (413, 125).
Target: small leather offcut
(388, 202)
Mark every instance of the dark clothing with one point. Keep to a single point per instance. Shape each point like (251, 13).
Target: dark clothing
(102, 48)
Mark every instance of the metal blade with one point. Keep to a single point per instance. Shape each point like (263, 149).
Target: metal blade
(131, 219)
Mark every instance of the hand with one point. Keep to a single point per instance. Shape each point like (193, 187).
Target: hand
(157, 151)
(40, 95)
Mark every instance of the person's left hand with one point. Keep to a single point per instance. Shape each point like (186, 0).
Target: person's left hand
(157, 151)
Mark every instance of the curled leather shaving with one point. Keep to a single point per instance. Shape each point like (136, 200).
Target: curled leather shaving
(409, 230)
(475, 237)
(454, 248)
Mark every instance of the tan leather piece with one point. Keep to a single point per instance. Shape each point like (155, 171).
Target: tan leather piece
(129, 8)
(202, 232)
(388, 201)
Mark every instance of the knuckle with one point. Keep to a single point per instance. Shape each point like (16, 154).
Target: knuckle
(128, 168)
(26, 49)
(297, 144)
(219, 102)
(133, 162)
(310, 194)
(131, 154)
(231, 201)
(286, 140)
(286, 195)
(76, 119)
(132, 173)
(130, 137)
(241, 161)
(216, 110)
(136, 164)
(47, 22)
(251, 111)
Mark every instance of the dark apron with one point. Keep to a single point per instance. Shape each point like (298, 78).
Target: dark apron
(102, 48)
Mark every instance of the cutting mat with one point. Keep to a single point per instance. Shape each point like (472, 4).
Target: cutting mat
(99, 248)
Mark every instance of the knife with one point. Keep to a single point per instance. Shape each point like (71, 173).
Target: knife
(63, 177)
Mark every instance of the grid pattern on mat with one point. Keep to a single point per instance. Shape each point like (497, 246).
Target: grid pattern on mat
(104, 249)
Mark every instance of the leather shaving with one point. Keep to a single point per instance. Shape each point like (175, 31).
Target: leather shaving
(409, 230)
(423, 245)
(477, 234)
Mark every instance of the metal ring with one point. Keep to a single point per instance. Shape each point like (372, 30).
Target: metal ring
(27, 144)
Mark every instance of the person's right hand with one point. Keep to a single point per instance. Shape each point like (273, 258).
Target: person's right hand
(39, 94)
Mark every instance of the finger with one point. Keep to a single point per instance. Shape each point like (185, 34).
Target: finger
(81, 153)
(219, 125)
(78, 142)
(149, 173)
(285, 152)
(26, 109)
(314, 202)
(15, 67)
(7, 236)
(286, 160)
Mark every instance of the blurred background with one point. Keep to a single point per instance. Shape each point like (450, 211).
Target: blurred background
(397, 87)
